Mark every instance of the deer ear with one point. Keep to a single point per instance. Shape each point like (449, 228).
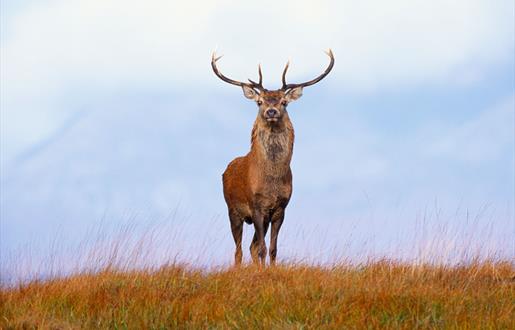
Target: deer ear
(250, 93)
(294, 94)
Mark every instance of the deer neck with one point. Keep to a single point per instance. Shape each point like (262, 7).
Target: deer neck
(272, 146)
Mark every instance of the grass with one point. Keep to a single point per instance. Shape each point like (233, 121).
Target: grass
(378, 294)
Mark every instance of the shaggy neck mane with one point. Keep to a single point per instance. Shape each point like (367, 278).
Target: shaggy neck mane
(273, 144)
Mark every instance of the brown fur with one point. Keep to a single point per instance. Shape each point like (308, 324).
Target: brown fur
(258, 186)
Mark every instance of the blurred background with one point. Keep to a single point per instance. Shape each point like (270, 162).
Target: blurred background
(110, 114)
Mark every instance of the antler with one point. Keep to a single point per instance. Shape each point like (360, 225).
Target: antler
(311, 82)
(252, 84)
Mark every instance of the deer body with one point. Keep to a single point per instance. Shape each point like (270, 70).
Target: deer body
(263, 177)
(257, 187)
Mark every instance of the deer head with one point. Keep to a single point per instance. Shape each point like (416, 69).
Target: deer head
(272, 103)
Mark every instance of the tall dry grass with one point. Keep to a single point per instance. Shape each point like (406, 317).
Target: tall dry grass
(116, 279)
(378, 294)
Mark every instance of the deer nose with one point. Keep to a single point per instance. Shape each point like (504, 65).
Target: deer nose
(271, 113)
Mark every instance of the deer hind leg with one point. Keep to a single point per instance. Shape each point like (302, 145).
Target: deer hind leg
(258, 245)
(277, 221)
(237, 232)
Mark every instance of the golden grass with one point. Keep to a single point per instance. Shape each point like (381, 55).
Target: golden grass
(379, 294)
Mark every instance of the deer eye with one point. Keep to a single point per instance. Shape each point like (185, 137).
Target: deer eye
(284, 103)
(259, 102)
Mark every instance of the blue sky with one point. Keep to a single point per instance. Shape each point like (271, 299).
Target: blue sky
(109, 110)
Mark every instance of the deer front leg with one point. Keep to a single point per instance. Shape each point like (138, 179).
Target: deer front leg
(277, 221)
(258, 246)
(237, 232)
(254, 244)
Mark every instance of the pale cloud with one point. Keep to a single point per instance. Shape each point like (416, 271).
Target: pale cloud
(112, 43)
(485, 137)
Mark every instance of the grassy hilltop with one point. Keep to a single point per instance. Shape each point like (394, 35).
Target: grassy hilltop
(375, 295)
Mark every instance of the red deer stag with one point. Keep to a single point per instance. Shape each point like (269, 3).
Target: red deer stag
(257, 187)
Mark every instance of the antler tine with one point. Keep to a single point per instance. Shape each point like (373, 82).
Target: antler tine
(284, 74)
(260, 75)
(260, 84)
(311, 82)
